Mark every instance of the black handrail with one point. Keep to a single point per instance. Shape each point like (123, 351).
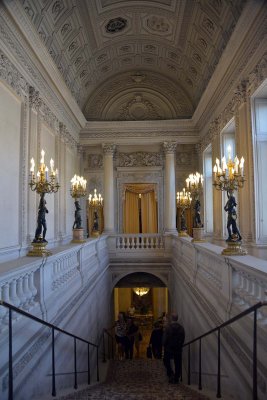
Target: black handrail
(110, 339)
(54, 328)
(218, 329)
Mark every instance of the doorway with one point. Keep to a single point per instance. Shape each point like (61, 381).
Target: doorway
(140, 208)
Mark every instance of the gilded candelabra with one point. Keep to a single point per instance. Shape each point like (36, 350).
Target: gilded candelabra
(95, 203)
(229, 177)
(183, 201)
(194, 183)
(78, 190)
(43, 182)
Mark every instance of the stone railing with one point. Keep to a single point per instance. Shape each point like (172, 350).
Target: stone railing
(147, 246)
(139, 241)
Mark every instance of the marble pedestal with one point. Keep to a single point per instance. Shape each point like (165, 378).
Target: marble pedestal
(198, 235)
(77, 236)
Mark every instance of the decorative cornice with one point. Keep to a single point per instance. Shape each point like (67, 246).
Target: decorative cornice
(26, 61)
(10, 75)
(242, 92)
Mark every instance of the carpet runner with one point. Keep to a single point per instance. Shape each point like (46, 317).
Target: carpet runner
(139, 379)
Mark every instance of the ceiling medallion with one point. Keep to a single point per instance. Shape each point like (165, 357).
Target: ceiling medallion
(116, 25)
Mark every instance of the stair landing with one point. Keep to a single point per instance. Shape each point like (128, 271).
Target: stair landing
(139, 379)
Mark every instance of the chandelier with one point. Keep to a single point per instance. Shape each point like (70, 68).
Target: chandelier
(95, 200)
(141, 291)
(229, 176)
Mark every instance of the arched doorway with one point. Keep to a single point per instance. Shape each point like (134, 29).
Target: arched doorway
(148, 304)
(142, 297)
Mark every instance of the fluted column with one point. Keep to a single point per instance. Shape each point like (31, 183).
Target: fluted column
(217, 194)
(170, 197)
(109, 211)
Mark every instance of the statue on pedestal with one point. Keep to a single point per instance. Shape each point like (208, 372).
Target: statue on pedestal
(230, 207)
(77, 215)
(41, 221)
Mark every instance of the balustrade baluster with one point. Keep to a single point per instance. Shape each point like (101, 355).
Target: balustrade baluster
(32, 288)
(26, 291)
(14, 299)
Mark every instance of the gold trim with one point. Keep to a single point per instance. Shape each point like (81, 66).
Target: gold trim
(234, 249)
(39, 250)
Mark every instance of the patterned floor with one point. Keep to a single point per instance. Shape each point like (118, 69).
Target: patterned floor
(139, 379)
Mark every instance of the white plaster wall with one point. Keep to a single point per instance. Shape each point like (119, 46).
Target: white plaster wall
(10, 161)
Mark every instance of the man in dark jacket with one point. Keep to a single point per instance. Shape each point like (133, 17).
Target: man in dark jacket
(173, 340)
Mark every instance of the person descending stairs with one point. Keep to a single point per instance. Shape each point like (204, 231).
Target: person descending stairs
(139, 379)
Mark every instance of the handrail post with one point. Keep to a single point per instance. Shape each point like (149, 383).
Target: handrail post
(10, 362)
(75, 365)
(88, 365)
(255, 383)
(104, 350)
(219, 366)
(97, 365)
(189, 370)
(54, 393)
(199, 367)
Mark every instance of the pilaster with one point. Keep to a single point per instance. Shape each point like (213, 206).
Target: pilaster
(170, 199)
(109, 211)
(244, 148)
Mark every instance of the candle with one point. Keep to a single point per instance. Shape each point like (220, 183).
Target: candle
(46, 173)
(52, 165)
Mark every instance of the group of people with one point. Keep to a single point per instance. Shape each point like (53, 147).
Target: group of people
(127, 336)
(169, 335)
(167, 338)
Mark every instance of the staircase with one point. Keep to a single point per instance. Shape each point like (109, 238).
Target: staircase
(140, 379)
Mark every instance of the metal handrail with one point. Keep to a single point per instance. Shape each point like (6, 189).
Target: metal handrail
(218, 328)
(54, 328)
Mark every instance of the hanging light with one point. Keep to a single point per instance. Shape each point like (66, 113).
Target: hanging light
(141, 291)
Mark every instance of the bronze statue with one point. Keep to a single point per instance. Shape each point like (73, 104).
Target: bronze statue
(230, 207)
(197, 217)
(77, 215)
(95, 222)
(41, 222)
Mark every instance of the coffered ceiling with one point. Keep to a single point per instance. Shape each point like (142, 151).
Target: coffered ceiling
(135, 59)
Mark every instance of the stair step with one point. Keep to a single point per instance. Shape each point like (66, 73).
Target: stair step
(136, 380)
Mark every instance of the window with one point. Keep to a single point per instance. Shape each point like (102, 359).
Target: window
(208, 190)
(228, 150)
(260, 168)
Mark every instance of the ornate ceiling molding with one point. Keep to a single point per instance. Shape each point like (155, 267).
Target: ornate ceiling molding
(91, 41)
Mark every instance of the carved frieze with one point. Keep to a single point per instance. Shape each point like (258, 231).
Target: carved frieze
(95, 161)
(12, 77)
(34, 98)
(140, 159)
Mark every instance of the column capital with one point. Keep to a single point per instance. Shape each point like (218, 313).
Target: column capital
(109, 148)
(34, 98)
(169, 147)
